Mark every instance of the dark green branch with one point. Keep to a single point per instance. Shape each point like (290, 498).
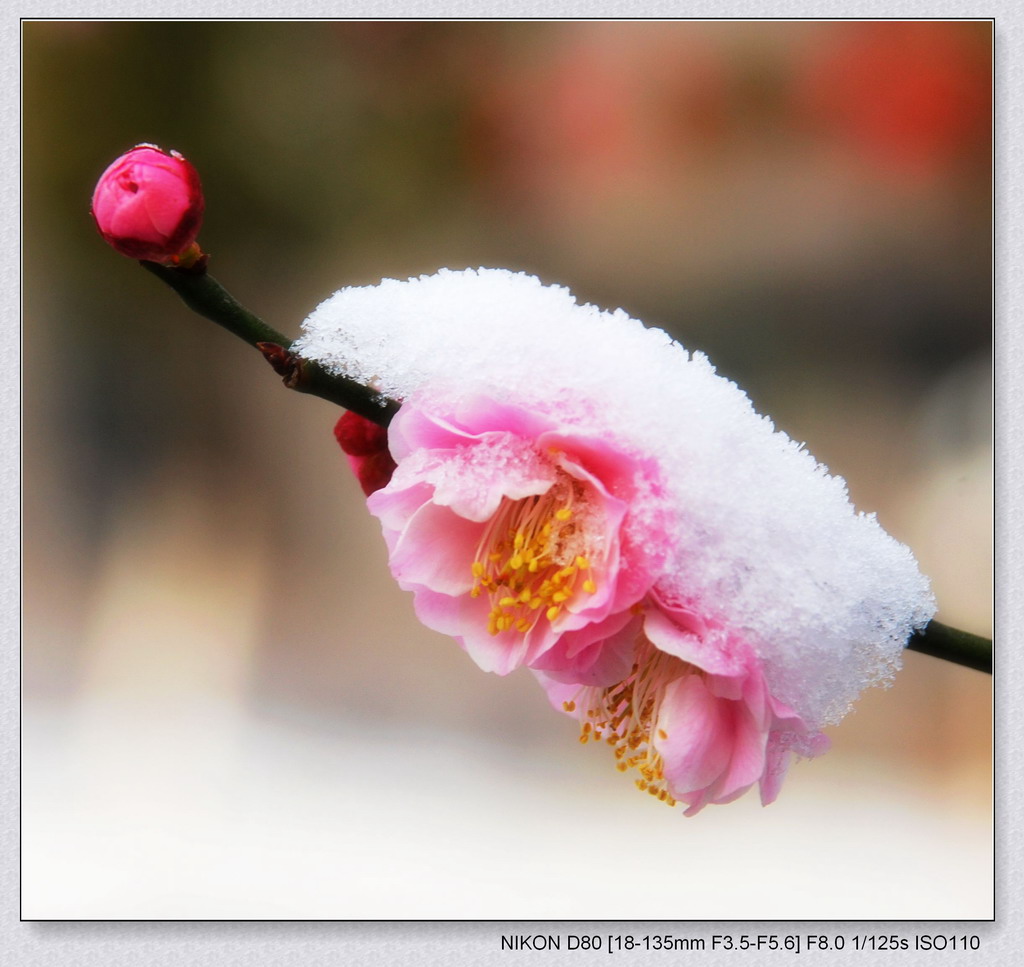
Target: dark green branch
(941, 641)
(204, 295)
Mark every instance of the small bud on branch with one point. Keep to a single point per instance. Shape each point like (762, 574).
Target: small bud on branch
(149, 205)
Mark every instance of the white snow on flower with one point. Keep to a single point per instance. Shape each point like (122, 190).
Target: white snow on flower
(764, 538)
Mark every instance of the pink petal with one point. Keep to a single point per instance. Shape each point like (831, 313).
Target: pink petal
(710, 651)
(599, 654)
(436, 550)
(698, 743)
(394, 505)
(747, 761)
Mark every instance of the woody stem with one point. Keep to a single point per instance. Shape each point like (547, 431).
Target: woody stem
(205, 296)
(961, 647)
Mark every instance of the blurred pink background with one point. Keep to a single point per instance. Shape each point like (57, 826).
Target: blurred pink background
(230, 711)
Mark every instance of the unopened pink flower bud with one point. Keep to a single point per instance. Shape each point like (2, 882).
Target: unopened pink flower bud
(358, 437)
(149, 204)
(366, 446)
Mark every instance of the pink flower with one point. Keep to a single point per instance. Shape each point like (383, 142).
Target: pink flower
(689, 707)
(510, 530)
(149, 204)
(514, 535)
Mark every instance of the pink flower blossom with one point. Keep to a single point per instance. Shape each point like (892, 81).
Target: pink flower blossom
(149, 204)
(509, 530)
(689, 708)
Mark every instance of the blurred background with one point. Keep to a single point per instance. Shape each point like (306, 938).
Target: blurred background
(230, 711)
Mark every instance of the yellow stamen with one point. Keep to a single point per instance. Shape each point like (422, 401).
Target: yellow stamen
(530, 554)
(626, 716)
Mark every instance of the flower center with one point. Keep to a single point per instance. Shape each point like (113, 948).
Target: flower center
(625, 715)
(534, 558)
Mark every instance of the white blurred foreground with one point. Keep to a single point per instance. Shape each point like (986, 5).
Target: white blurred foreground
(205, 815)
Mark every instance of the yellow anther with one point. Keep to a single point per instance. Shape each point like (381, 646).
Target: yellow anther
(662, 734)
(586, 727)
(621, 767)
(589, 586)
(569, 706)
(640, 784)
(536, 535)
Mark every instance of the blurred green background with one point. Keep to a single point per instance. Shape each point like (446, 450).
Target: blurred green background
(207, 605)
